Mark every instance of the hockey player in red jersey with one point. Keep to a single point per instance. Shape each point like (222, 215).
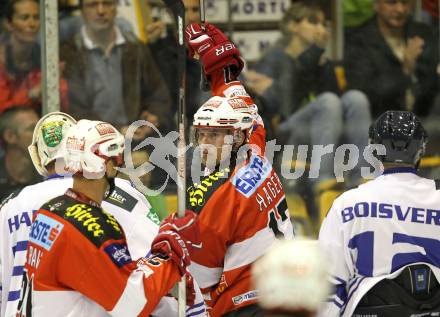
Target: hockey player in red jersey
(77, 261)
(240, 201)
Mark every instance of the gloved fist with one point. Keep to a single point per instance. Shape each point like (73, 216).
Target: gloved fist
(216, 51)
(176, 238)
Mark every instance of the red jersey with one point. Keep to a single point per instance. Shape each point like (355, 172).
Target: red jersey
(78, 264)
(242, 211)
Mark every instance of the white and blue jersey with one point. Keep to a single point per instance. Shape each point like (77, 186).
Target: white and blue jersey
(373, 232)
(126, 204)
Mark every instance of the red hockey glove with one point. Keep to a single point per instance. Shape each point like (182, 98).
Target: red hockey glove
(176, 238)
(216, 51)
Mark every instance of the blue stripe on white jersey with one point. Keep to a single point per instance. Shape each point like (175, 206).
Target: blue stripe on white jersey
(196, 310)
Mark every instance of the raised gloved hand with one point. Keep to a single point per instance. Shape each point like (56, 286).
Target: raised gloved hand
(216, 51)
(176, 239)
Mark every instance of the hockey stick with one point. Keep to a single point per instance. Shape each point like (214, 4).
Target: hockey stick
(204, 84)
(178, 10)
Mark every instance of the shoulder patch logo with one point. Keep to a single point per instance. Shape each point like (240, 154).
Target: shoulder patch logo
(118, 254)
(45, 231)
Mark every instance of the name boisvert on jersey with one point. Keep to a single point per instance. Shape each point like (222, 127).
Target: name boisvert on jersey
(390, 211)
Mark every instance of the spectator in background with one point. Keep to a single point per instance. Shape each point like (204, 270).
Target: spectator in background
(70, 24)
(291, 279)
(20, 76)
(394, 59)
(111, 75)
(164, 50)
(16, 169)
(297, 81)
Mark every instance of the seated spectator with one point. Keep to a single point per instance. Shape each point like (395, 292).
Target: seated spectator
(394, 59)
(111, 75)
(16, 169)
(298, 82)
(20, 76)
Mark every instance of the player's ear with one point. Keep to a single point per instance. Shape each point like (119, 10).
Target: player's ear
(240, 139)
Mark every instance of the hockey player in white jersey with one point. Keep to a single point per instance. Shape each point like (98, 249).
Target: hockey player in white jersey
(383, 238)
(126, 204)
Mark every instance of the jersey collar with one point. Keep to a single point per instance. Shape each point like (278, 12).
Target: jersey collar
(81, 197)
(55, 176)
(395, 170)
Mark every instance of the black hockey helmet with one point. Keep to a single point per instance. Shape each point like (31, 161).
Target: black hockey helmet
(403, 136)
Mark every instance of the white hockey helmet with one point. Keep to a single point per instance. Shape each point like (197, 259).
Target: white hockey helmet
(89, 145)
(222, 112)
(49, 133)
(291, 276)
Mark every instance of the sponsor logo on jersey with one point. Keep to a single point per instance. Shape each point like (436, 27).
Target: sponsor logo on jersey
(239, 299)
(93, 222)
(82, 214)
(250, 177)
(390, 211)
(118, 254)
(152, 215)
(122, 199)
(44, 231)
(199, 193)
